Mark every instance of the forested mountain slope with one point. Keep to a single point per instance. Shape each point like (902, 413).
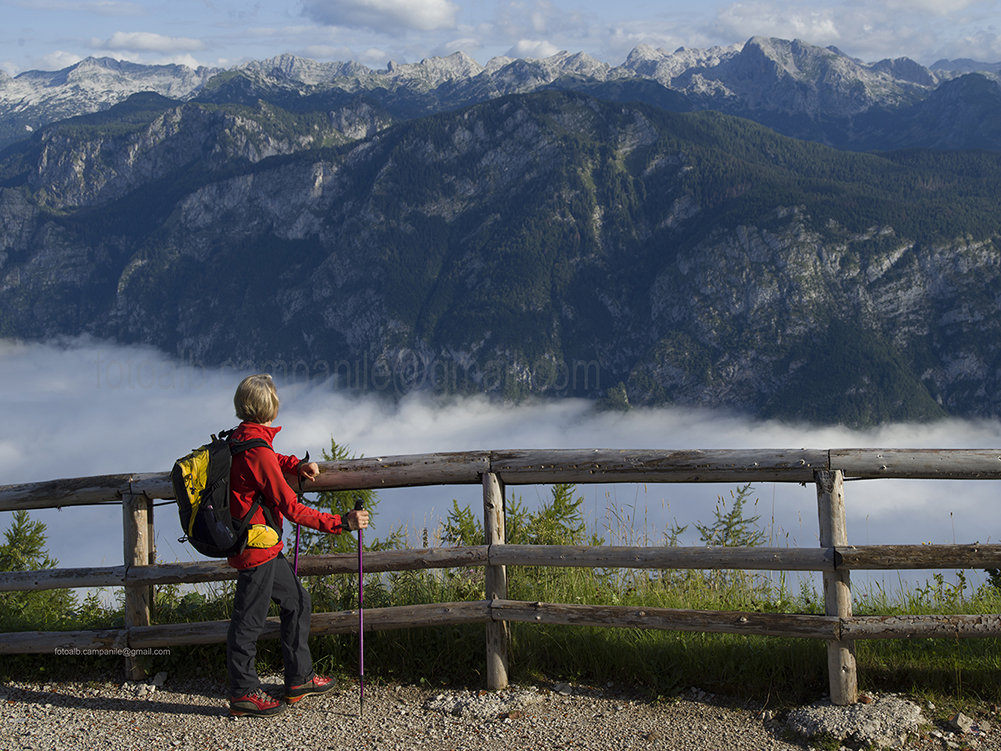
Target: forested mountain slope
(548, 243)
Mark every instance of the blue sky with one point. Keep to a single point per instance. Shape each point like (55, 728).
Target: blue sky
(53, 34)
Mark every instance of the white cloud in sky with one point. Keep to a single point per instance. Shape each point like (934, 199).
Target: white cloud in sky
(526, 19)
(373, 57)
(984, 47)
(110, 8)
(142, 41)
(58, 60)
(327, 52)
(532, 48)
(744, 20)
(390, 16)
(935, 7)
(919, 29)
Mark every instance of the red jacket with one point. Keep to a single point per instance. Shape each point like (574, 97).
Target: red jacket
(259, 470)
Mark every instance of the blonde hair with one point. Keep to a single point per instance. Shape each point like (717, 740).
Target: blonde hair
(256, 399)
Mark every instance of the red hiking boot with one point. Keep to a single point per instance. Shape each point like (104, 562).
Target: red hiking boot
(319, 684)
(255, 704)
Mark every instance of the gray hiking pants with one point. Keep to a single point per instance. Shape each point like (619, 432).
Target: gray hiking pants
(255, 589)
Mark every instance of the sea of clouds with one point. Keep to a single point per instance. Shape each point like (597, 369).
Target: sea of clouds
(84, 407)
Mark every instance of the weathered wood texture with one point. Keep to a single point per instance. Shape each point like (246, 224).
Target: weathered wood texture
(921, 626)
(926, 464)
(402, 471)
(137, 511)
(495, 581)
(211, 571)
(408, 616)
(62, 578)
(79, 491)
(843, 675)
(394, 560)
(152, 485)
(446, 614)
(666, 619)
(608, 556)
(892, 557)
(342, 622)
(535, 467)
(541, 466)
(63, 642)
(852, 558)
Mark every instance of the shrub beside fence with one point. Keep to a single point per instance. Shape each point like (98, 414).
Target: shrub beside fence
(494, 470)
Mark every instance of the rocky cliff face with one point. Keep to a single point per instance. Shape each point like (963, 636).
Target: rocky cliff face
(79, 164)
(547, 243)
(743, 320)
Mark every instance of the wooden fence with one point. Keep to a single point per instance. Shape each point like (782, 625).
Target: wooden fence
(493, 470)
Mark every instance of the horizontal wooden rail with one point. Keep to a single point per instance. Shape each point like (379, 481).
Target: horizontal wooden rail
(533, 467)
(115, 641)
(80, 491)
(214, 632)
(196, 572)
(546, 466)
(62, 578)
(51, 642)
(920, 464)
(920, 626)
(667, 619)
(911, 557)
(342, 622)
(761, 559)
(855, 558)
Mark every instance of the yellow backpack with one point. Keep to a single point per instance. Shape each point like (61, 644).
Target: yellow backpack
(201, 486)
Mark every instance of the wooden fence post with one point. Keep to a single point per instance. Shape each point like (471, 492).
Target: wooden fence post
(495, 582)
(137, 518)
(837, 586)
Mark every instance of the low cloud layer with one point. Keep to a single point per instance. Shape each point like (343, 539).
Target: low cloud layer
(88, 408)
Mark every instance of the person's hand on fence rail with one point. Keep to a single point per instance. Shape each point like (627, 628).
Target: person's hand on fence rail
(309, 471)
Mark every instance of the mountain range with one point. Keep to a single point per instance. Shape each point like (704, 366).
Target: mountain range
(677, 230)
(798, 89)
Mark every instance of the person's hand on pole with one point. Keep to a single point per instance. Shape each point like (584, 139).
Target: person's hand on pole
(357, 519)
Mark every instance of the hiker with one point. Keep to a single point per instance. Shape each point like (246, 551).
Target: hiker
(265, 574)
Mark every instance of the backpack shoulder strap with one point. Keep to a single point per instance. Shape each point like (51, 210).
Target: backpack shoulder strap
(245, 521)
(237, 447)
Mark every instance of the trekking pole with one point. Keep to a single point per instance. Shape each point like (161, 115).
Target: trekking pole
(298, 527)
(295, 566)
(361, 618)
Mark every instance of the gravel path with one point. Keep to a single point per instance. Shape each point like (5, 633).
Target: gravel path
(181, 714)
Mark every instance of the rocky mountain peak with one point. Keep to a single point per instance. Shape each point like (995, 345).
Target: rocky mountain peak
(301, 70)
(664, 67)
(581, 64)
(764, 79)
(435, 71)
